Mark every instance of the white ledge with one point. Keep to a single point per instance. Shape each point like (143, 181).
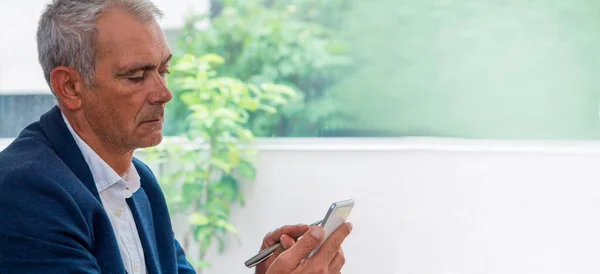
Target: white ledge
(426, 144)
(416, 144)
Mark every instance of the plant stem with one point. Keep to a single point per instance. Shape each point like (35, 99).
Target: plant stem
(188, 234)
(207, 179)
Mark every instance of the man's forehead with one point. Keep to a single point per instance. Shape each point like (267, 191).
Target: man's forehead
(121, 35)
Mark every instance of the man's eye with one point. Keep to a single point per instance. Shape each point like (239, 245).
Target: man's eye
(136, 79)
(163, 73)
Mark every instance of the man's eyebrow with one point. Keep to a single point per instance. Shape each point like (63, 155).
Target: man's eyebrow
(167, 60)
(130, 70)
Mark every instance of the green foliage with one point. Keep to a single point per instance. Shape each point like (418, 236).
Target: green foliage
(473, 69)
(201, 173)
(285, 42)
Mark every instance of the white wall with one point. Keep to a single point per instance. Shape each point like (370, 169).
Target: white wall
(19, 68)
(432, 206)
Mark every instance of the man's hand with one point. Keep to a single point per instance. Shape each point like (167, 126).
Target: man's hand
(285, 235)
(328, 260)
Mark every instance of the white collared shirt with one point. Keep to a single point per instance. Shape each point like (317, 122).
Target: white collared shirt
(113, 190)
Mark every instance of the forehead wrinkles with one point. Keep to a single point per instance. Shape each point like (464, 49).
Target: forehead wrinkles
(120, 56)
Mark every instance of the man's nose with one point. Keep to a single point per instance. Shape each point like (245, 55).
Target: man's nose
(160, 92)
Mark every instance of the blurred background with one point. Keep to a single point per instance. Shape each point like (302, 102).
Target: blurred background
(466, 131)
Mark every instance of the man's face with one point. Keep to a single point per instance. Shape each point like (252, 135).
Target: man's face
(125, 108)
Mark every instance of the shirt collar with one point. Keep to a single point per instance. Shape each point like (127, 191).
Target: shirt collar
(104, 175)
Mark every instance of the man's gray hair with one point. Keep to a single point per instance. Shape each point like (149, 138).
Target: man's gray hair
(66, 34)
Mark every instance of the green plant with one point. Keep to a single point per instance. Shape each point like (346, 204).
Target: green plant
(283, 42)
(203, 170)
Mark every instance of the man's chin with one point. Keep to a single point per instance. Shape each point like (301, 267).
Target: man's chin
(151, 140)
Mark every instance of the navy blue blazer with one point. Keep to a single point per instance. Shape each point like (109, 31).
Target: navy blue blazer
(51, 216)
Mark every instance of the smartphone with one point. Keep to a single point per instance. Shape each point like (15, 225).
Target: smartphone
(336, 215)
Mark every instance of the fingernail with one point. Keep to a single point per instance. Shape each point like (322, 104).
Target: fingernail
(282, 242)
(317, 232)
(350, 226)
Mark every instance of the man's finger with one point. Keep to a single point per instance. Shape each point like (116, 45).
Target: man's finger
(290, 259)
(330, 248)
(291, 230)
(286, 241)
(285, 245)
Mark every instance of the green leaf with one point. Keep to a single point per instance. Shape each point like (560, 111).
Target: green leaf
(201, 232)
(268, 109)
(234, 158)
(247, 170)
(191, 191)
(190, 98)
(226, 225)
(281, 89)
(249, 103)
(245, 134)
(212, 59)
(185, 63)
(205, 244)
(198, 219)
(221, 164)
(221, 242)
(199, 109)
(275, 98)
(228, 188)
(255, 90)
(218, 207)
(227, 113)
(204, 235)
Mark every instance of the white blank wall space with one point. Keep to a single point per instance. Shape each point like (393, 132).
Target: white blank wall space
(427, 212)
(19, 68)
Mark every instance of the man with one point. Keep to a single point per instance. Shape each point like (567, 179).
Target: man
(72, 197)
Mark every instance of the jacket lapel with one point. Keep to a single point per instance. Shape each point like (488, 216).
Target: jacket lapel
(59, 135)
(142, 214)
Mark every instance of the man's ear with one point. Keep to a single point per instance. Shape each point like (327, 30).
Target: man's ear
(68, 85)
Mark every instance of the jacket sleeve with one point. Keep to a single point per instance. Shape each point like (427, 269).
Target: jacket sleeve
(42, 229)
(183, 266)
